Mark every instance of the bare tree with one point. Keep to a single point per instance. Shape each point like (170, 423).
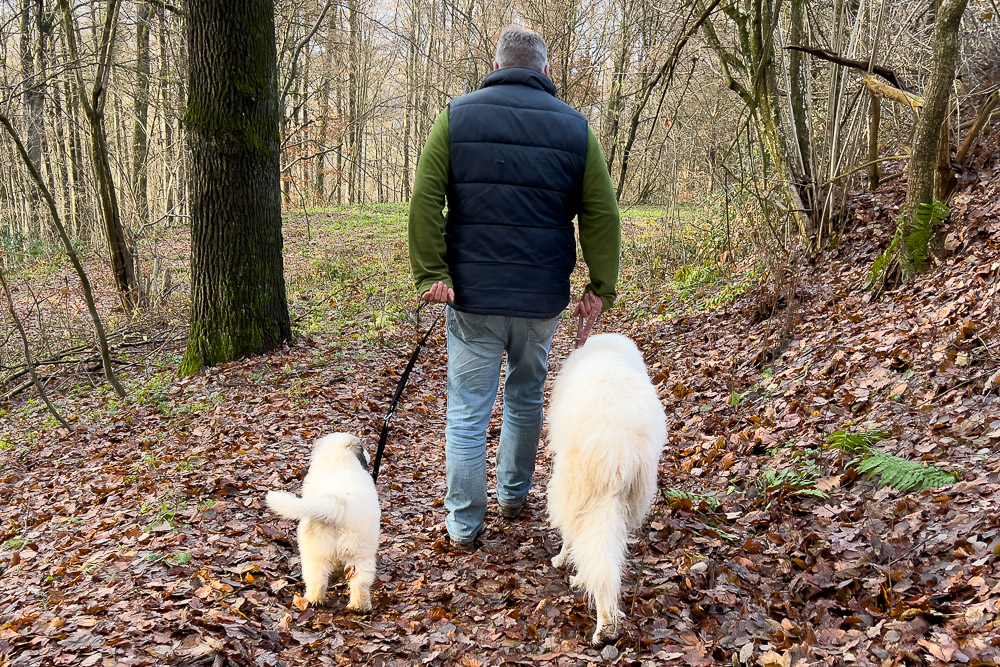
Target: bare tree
(123, 262)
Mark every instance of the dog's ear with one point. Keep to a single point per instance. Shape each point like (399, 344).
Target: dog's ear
(362, 455)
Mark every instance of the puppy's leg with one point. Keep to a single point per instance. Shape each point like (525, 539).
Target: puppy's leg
(316, 564)
(361, 579)
(560, 558)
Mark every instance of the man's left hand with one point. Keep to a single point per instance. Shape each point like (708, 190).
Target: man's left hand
(439, 293)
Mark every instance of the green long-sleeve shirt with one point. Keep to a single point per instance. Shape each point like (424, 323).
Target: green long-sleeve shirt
(599, 220)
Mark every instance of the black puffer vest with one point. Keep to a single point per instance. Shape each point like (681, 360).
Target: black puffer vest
(514, 187)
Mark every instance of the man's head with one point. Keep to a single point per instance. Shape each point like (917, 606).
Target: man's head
(521, 47)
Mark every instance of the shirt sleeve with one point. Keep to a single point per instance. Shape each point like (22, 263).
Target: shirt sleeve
(600, 225)
(425, 228)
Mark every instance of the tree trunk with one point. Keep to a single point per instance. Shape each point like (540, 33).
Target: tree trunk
(920, 184)
(797, 92)
(169, 117)
(873, 124)
(140, 141)
(238, 304)
(123, 264)
(944, 178)
(32, 69)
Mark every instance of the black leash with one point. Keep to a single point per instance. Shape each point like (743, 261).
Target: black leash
(399, 391)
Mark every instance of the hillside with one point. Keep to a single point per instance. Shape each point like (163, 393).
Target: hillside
(141, 537)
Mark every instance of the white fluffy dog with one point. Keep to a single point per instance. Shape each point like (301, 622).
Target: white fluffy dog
(338, 517)
(606, 432)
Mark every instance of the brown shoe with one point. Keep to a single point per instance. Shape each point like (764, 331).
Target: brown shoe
(511, 512)
(464, 546)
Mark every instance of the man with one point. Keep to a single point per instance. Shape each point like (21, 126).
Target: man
(515, 166)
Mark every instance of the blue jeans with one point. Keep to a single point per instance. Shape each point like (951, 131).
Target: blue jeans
(475, 346)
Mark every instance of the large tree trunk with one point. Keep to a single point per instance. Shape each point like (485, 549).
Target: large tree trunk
(238, 304)
(920, 184)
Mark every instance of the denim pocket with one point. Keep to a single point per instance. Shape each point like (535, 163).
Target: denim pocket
(466, 326)
(542, 331)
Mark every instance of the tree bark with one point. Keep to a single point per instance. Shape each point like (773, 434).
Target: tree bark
(797, 92)
(32, 58)
(873, 125)
(920, 184)
(238, 303)
(140, 141)
(944, 177)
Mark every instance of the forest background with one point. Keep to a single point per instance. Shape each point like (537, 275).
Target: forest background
(810, 202)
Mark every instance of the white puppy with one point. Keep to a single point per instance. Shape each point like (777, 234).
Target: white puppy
(606, 432)
(338, 517)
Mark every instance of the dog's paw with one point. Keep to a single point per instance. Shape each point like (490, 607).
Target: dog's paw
(362, 607)
(559, 560)
(574, 582)
(604, 635)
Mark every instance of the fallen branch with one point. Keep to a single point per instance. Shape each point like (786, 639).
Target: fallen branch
(16, 390)
(909, 99)
(861, 65)
(27, 354)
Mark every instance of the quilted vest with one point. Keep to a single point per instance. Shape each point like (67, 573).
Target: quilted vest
(515, 178)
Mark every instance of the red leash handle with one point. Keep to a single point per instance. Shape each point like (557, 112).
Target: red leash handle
(583, 327)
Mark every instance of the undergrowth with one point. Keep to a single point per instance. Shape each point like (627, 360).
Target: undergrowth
(916, 244)
(887, 469)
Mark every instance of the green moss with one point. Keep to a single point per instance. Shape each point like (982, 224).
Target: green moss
(916, 244)
(260, 137)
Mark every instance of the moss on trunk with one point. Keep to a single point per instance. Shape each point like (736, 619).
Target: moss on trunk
(238, 303)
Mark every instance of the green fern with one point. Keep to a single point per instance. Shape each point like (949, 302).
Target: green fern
(888, 470)
(799, 479)
(711, 502)
(918, 242)
(849, 442)
(902, 474)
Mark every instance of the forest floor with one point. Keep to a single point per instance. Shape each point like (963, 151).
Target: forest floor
(141, 537)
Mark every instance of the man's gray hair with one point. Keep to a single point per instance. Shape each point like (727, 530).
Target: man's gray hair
(521, 47)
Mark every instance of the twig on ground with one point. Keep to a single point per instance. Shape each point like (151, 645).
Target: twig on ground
(27, 355)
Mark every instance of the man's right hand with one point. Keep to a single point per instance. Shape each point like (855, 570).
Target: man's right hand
(590, 306)
(439, 293)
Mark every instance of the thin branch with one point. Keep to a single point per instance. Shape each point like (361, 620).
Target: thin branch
(27, 354)
(865, 166)
(298, 50)
(977, 127)
(88, 293)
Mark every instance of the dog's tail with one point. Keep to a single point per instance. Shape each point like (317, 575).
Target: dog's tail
(599, 570)
(327, 509)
